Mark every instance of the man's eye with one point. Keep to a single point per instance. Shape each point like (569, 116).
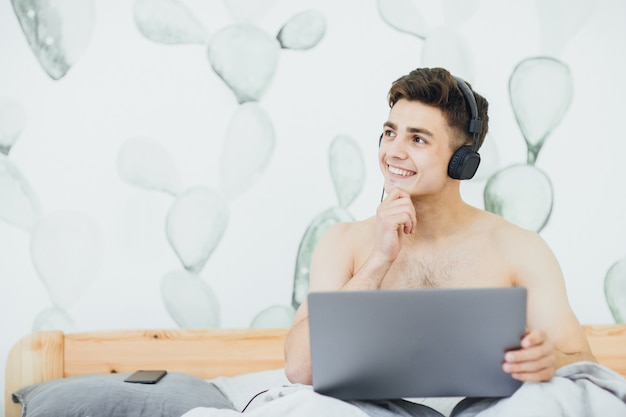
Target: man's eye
(389, 133)
(418, 139)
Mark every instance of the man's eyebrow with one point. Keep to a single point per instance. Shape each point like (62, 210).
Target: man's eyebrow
(419, 130)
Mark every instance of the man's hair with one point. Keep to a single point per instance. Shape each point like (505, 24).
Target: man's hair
(438, 88)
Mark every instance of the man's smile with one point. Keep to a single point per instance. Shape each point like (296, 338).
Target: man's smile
(400, 172)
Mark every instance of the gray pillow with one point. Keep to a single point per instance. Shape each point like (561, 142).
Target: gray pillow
(107, 395)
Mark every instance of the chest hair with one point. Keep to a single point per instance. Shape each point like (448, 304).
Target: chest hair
(428, 272)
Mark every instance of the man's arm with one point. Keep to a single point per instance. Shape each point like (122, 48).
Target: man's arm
(555, 337)
(331, 270)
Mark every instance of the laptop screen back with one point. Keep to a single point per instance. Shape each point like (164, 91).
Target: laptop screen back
(415, 343)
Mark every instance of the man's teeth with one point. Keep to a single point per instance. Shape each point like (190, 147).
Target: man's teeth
(398, 171)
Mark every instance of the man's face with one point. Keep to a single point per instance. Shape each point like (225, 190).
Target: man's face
(415, 149)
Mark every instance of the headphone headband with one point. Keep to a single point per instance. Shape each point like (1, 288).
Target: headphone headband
(465, 160)
(475, 125)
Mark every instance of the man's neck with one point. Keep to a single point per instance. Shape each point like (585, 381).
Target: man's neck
(440, 217)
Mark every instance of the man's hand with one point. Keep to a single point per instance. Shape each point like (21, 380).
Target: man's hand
(535, 361)
(395, 216)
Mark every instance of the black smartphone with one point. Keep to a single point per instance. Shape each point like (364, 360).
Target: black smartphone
(146, 377)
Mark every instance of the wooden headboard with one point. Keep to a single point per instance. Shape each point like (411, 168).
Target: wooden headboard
(207, 353)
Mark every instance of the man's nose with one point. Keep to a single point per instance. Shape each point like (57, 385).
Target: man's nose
(397, 147)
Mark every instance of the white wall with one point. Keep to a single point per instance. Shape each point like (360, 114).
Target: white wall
(125, 85)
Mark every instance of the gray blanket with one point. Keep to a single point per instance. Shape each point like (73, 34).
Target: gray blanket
(582, 389)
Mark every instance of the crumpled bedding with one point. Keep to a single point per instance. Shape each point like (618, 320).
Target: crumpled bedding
(583, 389)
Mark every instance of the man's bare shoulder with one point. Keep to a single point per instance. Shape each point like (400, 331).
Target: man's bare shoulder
(353, 229)
(521, 247)
(503, 232)
(349, 238)
(337, 253)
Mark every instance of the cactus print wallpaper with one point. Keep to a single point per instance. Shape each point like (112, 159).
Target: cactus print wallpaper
(172, 163)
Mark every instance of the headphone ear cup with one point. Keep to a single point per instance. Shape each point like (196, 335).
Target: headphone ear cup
(464, 163)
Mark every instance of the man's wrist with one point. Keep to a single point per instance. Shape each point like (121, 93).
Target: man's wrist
(371, 274)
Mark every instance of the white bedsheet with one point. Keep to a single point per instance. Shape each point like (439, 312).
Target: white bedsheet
(295, 400)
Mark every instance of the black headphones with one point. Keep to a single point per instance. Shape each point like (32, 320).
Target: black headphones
(465, 160)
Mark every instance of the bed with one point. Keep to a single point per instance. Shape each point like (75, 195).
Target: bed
(203, 353)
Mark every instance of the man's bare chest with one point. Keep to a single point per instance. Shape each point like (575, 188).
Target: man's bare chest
(454, 268)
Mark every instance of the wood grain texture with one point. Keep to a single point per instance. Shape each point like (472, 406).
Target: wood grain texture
(608, 344)
(205, 353)
(37, 357)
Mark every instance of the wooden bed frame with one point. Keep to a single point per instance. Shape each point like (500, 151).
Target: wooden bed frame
(207, 353)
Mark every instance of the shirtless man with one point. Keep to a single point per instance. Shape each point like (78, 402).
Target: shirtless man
(425, 235)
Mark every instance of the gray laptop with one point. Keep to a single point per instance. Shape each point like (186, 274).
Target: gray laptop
(388, 344)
